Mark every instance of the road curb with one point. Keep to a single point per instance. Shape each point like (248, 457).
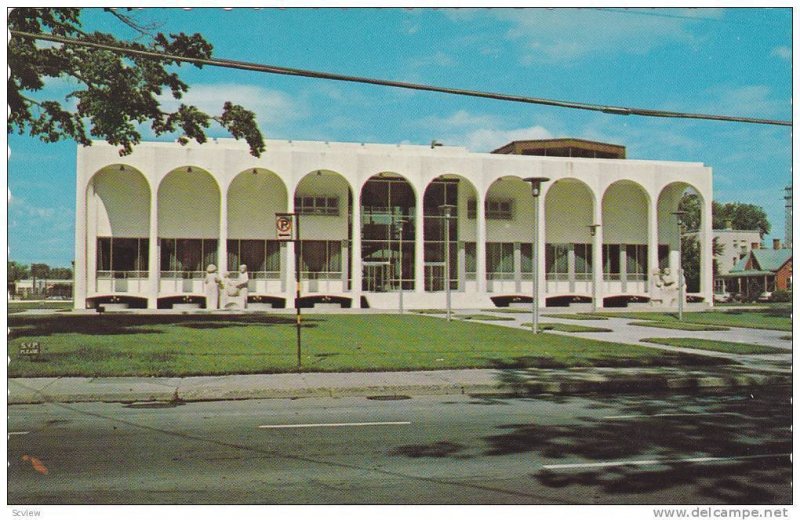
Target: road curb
(508, 383)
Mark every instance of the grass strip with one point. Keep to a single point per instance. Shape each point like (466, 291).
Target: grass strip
(718, 346)
(568, 327)
(580, 316)
(677, 325)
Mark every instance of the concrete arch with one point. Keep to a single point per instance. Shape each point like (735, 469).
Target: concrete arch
(188, 204)
(324, 220)
(390, 174)
(625, 211)
(121, 201)
(567, 213)
(253, 197)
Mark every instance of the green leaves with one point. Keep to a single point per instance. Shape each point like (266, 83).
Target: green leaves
(114, 94)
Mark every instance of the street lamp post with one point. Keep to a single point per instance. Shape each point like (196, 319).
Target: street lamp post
(536, 189)
(679, 217)
(593, 232)
(447, 210)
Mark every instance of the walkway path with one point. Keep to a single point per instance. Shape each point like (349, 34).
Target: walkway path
(623, 332)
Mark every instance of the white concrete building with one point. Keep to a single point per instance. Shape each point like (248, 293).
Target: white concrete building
(148, 224)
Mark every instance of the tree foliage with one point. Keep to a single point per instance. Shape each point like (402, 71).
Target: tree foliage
(17, 271)
(114, 93)
(742, 216)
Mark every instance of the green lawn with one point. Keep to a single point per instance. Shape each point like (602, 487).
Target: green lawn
(180, 345)
(718, 346)
(509, 310)
(15, 307)
(772, 317)
(568, 327)
(576, 316)
(484, 317)
(676, 325)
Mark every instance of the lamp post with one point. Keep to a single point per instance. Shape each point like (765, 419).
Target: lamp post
(593, 232)
(536, 189)
(447, 210)
(679, 217)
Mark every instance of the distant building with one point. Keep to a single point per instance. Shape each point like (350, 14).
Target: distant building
(760, 271)
(41, 288)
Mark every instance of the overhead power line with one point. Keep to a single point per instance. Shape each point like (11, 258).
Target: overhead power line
(273, 69)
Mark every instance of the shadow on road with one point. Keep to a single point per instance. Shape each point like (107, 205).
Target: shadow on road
(757, 427)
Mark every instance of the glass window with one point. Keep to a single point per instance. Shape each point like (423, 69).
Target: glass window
(470, 258)
(556, 261)
(611, 260)
(636, 261)
(583, 261)
(500, 258)
(103, 253)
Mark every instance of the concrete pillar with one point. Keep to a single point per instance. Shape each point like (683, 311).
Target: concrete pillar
(652, 243)
(462, 266)
(153, 257)
(288, 266)
(222, 244)
(597, 257)
(540, 239)
(623, 267)
(480, 243)
(706, 252)
(571, 267)
(419, 249)
(91, 240)
(355, 252)
(80, 268)
(517, 267)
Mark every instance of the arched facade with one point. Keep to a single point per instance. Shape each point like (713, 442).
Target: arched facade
(371, 223)
(118, 213)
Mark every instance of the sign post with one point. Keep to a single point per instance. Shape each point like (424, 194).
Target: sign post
(284, 222)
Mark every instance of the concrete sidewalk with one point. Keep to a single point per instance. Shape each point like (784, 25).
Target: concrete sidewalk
(384, 384)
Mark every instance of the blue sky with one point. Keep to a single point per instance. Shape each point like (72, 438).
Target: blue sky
(724, 61)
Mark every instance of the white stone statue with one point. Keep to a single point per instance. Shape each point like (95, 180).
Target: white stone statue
(212, 284)
(668, 284)
(236, 291)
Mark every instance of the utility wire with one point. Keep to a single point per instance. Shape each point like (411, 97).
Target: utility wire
(273, 69)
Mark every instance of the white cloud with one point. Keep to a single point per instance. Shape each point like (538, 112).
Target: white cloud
(748, 100)
(477, 132)
(782, 52)
(21, 208)
(488, 139)
(437, 59)
(555, 35)
(272, 107)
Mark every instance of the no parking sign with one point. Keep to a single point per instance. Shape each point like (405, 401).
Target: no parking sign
(283, 226)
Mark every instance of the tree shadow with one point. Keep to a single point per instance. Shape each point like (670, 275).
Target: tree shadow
(750, 436)
(107, 324)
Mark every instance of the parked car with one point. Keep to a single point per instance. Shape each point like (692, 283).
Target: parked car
(723, 297)
(765, 296)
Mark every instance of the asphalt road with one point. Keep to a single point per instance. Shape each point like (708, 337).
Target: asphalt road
(676, 449)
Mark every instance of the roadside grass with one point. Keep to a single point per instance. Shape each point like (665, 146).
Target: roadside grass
(718, 346)
(677, 325)
(568, 327)
(484, 317)
(183, 345)
(15, 307)
(588, 317)
(507, 310)
(771, 318)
